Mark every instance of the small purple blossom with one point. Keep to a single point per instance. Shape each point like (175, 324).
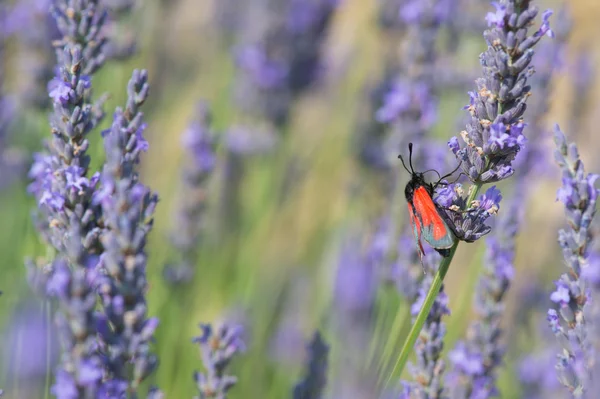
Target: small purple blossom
(561, 295)
(496, 18)
(468, 225)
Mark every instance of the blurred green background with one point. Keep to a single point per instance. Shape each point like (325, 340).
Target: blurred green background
(276, 270)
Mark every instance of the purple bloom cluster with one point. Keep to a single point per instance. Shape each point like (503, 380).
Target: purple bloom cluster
(468, 220)
(127, 209)
(218, 347)
(315, 378)
(578, 194)
(285, 60)
(429, 368)
(199, 142)
(495, 133)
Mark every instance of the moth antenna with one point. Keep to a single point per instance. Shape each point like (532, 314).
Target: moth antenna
(433, 170)
(410, 145)
(403, 164)
(451, 173)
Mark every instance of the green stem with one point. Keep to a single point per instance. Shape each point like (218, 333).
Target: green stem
(428, 303)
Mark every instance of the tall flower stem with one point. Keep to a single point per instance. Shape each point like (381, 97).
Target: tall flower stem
(433, 292)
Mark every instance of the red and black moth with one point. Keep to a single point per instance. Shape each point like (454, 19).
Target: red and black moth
(426, 217)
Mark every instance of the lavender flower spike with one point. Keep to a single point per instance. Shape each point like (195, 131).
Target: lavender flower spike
(579, 195)
(81, 24)
(429, 368)
(81, 368)
(313, 384)
(495, 133)
(64, 190)
(476, 360)
(218, 347)
(199, 143)
(127, 209)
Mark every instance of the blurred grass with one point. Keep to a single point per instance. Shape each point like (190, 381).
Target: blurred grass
(248, 275)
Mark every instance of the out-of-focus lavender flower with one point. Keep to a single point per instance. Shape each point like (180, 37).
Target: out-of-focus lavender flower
(537, 374)
(28, 346)
(354, 303)
(468, 225)
(240, 143)
(34, 29)
(495, 133)
(582, 74)
(313, 383)
(568, 322)
(388, 16)
(429, 368)
(199, 143)
(241, 140)
(127, 214)
(477, 359)
(10, 160)
(370, 133)
(122, 43)
(285, 59)
(218, 346)
(410, 106)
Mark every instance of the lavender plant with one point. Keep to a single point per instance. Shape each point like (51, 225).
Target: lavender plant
(354, 297)
(218, 347)
(284, 60)
(495, 133)
(34, 29)
(476, 360)
(568, 321)
(430, 366)
(411, 104)
(127, 209)
(6, 118)
(313, 383)
(199, 142)
(63, 188)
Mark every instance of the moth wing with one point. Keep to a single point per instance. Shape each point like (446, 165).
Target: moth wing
(433, 228)
(416, 225)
